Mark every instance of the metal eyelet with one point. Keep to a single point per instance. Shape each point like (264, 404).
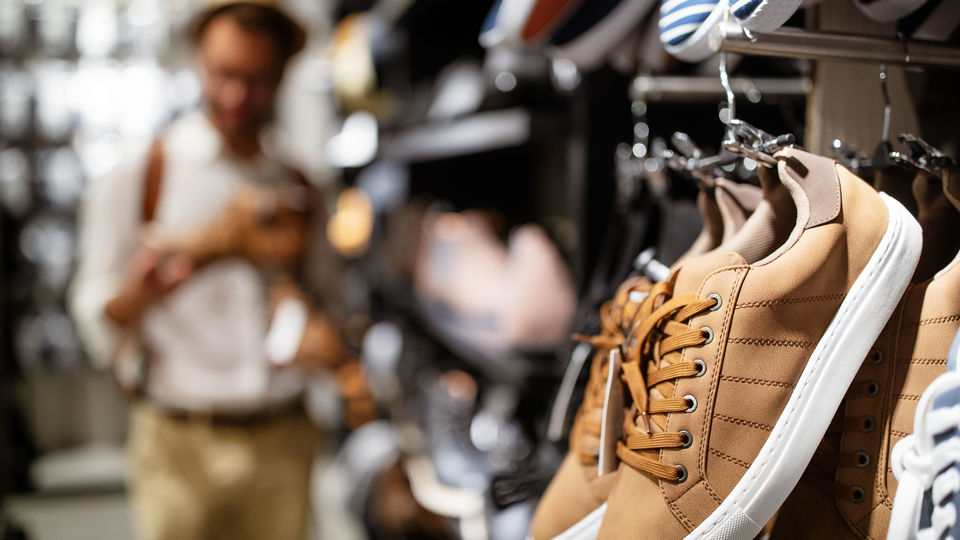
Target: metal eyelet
(716, 297)
(876, 356)
(687, 438)
(701, 367)
(872, 388)
(857, 494)
(681, 474)
(863, 459)
(709, 332)
(867, 423)
(693, 402)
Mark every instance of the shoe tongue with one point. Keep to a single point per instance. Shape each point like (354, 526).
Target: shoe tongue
(690, 274)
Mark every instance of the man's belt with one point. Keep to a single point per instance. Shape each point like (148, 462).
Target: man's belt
(236, 419)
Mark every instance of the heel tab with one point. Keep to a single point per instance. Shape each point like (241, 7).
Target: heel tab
(817, 176)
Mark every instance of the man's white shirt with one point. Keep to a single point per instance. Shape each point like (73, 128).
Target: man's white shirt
(206, 338)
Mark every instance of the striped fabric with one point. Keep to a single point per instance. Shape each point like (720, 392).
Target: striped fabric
(744, 8)
(679, 19)
(490, 22)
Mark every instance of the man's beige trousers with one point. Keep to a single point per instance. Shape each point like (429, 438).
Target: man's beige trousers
(191, 479)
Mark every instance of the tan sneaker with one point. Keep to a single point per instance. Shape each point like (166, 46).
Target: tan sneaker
(577, 489)
(744, 360)
(849, 485)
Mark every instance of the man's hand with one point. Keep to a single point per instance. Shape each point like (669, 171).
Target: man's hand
(152, 275)
(258, 225)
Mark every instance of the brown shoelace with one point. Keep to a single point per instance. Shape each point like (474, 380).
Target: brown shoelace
(616, 319)
(654, 363)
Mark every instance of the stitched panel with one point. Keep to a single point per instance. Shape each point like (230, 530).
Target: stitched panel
(743, 422)
(935, 320)
(761, 382)
(731, 459)
(801, 300)
(772, 342)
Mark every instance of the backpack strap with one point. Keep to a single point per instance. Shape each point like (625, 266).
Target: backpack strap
(131, 365)
(152, 181)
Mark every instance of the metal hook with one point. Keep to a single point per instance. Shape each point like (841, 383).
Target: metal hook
(923, 155)
(728, 90)
(887, 107)
(905, 41)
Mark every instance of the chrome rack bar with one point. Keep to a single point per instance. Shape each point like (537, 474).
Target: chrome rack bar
(664, 88)
(795, 43)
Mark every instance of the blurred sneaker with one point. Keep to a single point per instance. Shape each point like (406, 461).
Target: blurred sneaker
(763, 15)
(888, 10)
(936, 20)
(545, 17)
(505, 21)
(749, 350)
(487, 294)
(927, 463)
(596, 28)
(848, 484)
(686, 25)
(264, 226)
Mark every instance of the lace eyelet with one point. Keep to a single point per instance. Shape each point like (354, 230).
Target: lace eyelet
(687, 438)
(693, 402)
(857, 494)
(875, 356)
(867, 423)
(681, 474)
(716, 297)
(872, 388)
(863, 459)
(709, 332)
(701, 367)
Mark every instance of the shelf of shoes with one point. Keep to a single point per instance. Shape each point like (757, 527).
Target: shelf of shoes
(473, 134)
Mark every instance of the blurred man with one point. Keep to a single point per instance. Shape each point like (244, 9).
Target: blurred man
(219, 444)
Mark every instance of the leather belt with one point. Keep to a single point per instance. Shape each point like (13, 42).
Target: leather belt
(235, 419)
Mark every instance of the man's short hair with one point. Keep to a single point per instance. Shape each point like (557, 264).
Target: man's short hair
(258, 19)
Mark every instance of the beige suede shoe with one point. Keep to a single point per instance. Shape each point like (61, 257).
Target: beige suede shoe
(577, 490)
(849, 485)
(748, 351)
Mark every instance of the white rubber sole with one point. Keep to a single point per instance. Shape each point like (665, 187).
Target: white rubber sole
(697, 47)
(770, 15)
(590, 49)
(822, 385)
(585, 529)
(889, 10)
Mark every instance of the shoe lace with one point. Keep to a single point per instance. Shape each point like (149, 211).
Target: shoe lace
(616, 318)
(926, 460)
(653, 365)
